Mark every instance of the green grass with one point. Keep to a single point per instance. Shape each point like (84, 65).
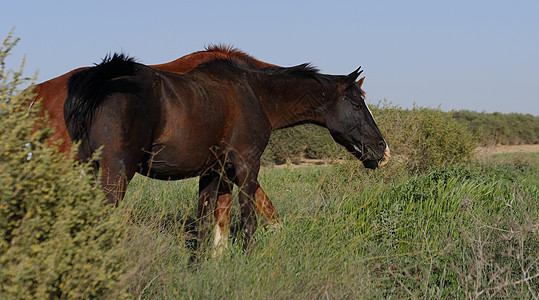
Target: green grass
(452, 232)
(449, 231)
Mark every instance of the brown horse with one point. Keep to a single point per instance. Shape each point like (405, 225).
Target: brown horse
(52, 94)
(215, 121)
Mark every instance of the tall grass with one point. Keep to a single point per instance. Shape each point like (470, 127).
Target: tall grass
(452, 232)
(452, 229)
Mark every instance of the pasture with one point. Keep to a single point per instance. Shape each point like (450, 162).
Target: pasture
(462, 231)
(435, 222)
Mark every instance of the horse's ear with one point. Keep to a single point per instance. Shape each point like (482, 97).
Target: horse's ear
(359, 83)
(351, 78)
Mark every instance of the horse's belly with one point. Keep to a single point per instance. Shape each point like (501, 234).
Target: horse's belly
(172, 163)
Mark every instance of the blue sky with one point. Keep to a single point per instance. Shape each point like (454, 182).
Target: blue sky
(475, 55)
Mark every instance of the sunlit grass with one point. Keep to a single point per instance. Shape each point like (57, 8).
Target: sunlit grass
(348, 233)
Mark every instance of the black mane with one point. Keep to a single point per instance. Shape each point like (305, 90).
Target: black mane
(243, 60)
(302, 71)
(305, 70)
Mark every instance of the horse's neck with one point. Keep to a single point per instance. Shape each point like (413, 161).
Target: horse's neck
(287, 103)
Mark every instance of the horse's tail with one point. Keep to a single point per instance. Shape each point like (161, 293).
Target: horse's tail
(87, 89)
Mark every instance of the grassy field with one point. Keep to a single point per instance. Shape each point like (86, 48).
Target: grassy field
(466, 231)
(433, 223)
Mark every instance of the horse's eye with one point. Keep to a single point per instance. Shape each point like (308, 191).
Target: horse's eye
(355, 105)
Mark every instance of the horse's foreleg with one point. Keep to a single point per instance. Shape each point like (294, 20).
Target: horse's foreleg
(248, 214)
(246, 180)
(208, 186)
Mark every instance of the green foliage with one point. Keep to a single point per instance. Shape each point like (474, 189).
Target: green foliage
(451, 230)
(496, 128)
(57, 239)
(441, 141)
(459, 231)
(424, 137)
(305, 141)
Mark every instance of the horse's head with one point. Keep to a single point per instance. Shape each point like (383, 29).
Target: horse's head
(352, 125)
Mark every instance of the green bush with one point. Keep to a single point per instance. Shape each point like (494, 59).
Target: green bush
(57, 239)
(304, 141)
(496, 128)
(424, 137)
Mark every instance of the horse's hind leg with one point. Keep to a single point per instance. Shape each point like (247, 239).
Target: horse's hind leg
(264, 205)
(223, 208)
(116, 174)
(222, 216)
(224, 202)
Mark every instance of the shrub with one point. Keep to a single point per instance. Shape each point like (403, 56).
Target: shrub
(424, 137)
(304, 141)
(496, 128)
(56, 238)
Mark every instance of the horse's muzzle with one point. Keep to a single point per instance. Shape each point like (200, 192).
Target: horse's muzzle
(375, 163)
(385, 159)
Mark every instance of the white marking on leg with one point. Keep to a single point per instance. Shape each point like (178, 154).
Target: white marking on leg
(220, 240)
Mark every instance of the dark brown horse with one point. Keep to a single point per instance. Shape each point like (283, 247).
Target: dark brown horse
(215, 121)
(52, 94)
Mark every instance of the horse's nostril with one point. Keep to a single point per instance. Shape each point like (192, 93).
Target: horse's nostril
(382, 145)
